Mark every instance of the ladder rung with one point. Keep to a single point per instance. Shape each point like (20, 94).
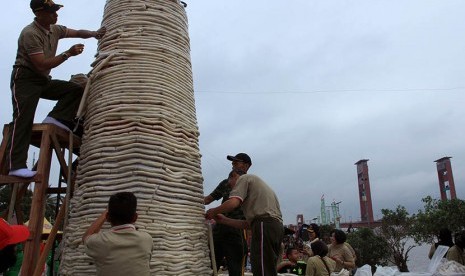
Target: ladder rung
(56, 190)
(7, 179)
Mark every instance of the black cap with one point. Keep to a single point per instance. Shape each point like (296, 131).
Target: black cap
(313, 227)
(44, 5)
(241, 157)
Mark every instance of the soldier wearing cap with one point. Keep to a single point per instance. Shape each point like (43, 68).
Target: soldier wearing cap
(230, 242)
(30, 80)
(262, 215)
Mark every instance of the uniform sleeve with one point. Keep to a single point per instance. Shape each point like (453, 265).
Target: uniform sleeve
(62, 31)
(219, 190)
(241, 189)
(93, 246)
(454, 255)
(347, 256)
(150, 241)
(331, 264)
(310, 270)
(32, 43)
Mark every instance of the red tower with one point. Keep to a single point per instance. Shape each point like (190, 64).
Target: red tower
(446, 178)
(364, 192)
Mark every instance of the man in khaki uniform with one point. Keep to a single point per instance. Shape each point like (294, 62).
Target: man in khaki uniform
(263, 215)
(30, 80)
(230, 242)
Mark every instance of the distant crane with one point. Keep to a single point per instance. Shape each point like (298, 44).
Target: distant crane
(336, 216)
(326, 214)
(324, 220)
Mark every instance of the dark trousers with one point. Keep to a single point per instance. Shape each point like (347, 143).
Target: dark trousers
(27, 87)
(267, 235)
(230, 244)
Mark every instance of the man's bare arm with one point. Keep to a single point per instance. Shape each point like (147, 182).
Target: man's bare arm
(95, 226)
(236, 223)
(86, 33)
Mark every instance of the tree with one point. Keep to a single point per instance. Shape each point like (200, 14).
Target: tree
(325, 229)
(396, 228)
(25, 205)
(370, 248)
(438, 214)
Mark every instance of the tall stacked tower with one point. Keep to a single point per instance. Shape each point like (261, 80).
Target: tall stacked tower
(364, 192)
(446, 178)
(141, 135)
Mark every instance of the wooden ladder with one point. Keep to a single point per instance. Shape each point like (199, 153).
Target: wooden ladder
(48, 138)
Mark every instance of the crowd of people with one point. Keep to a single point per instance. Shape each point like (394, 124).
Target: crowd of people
(248, 202)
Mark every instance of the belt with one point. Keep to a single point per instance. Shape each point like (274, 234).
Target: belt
(32, 71)
(264, 218)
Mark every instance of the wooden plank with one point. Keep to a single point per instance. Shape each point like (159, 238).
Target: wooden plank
(36, 221)
(7, 179)
(61, 134)
(3, 165)
(59, 155)
(50, 240)
(56, 190)
(11, 206)
(43, 136)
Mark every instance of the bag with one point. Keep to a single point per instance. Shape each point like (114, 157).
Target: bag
(364, 271)
(385, 271)
(343, 272)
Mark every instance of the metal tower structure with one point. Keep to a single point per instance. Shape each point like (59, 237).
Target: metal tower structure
(446, 178)
(336, 216)
(366, 208)
(324, 220)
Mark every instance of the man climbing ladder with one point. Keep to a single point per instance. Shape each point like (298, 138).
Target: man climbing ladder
(30, 80)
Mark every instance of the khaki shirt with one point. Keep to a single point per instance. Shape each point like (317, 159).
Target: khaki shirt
(455, 253)
(257, 198)
(316, 267)
(34, 39)
(343, 251)
(222, 191)
(120, 251)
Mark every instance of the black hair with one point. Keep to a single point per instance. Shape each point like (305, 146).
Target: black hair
(289, 251)
(315, 228)
(122, 208)
(339, 236)
(460, 239)
(319, 248)
(7, 257)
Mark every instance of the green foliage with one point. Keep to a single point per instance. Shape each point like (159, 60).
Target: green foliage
(324, 232)
(25, 205)
(370, 248)
(438, 214)
(396, 228)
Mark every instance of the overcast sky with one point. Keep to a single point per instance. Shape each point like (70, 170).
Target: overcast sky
(308, 88)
